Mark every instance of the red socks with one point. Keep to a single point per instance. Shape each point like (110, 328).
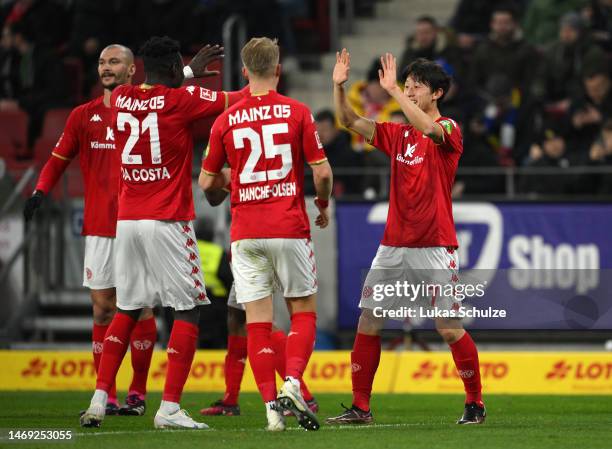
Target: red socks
(364, 363)
(97, 341)
(115, 345)
(235, 361)
(300, 342)
(142, 343)
(465, 356)
(181, 349)
(279, 345)
(262, 358)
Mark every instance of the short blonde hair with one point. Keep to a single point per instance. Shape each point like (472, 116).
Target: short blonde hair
(260, 56)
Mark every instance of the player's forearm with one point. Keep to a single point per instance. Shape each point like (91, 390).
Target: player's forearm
(416, 117)
(51, 173)
(344, 111)
(211, 182)
(323, 180)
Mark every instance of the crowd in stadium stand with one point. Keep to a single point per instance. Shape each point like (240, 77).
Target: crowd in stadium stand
(531, 83)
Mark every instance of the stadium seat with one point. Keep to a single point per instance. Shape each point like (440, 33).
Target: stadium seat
(73, 72)
(13, 133)
(55, 120)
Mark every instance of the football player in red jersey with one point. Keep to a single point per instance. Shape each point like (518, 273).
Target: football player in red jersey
(419, 243)
(89, 135)
(266, 138)
(157, 260)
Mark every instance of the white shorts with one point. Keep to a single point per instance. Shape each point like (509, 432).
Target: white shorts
(99, 262)
(260, 264)
(158, 262)
(412, 277)
(232, 301)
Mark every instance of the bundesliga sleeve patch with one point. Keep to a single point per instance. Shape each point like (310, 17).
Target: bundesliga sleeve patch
(209, 95)
(447, 125)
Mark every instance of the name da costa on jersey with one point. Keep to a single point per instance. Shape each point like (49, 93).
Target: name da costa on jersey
(141, 174)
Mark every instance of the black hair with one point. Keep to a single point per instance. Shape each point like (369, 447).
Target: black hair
(160, 54)
(428, 19)
(325, 115)
(507, 8)
(375, 66)
(429, 73)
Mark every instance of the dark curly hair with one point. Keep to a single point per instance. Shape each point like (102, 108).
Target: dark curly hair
(159, 54)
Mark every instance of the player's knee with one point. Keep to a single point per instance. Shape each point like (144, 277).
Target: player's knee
(146, 314)
(103, 312)
(368, 323)
(450, 332)
(236, 320)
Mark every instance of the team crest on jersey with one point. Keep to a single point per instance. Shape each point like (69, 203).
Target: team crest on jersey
(447, 125)
(88, 273)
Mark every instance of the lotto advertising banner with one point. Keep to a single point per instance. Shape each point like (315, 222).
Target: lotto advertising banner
(330, 371)
(520, 266)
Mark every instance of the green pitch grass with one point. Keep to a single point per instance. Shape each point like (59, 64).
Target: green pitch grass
(401, 421)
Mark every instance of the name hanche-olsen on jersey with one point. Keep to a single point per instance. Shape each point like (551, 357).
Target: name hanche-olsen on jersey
(89, 134)
(422, 176)
(153, 132)
(266, 139)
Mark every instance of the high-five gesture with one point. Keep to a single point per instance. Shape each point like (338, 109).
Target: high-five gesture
(203, 58)
(388, 74)
(342, 67)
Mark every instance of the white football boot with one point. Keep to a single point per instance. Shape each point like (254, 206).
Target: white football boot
(290, 398)
(276, 420)
(177, 420)
(93, 416)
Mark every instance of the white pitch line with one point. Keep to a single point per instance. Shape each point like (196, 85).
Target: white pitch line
(325, 428)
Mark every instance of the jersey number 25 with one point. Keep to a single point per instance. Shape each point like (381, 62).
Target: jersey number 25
(270, 149)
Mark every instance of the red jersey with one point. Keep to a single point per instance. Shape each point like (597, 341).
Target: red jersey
(266, 139)
(422, 176)
(89, 135)
(154, 136)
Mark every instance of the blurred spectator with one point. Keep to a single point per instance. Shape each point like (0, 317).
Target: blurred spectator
(601, 154)
(471, 21)
(589, 111)
(504, 52)
(40, 85)
(541, 22)
(559, 77)
(551, 150)
(46, 20)
(429, 42)
(505, 121)
(337, 144)
(599, 14)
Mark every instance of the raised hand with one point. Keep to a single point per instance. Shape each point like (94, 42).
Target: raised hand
(342, 67)
(203, 58)
(388, 75)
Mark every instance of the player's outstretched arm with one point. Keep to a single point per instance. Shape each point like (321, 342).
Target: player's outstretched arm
(417, 118)
(207, 55)
(344, 111)
(323, 182)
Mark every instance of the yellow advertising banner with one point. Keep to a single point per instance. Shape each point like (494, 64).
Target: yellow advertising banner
(330, 371)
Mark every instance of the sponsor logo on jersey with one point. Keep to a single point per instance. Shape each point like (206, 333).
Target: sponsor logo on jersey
(95, 118)
(109, 133)
(142, 345)
(410, 149)
(172, 350)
